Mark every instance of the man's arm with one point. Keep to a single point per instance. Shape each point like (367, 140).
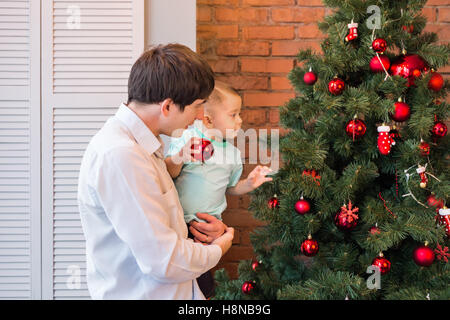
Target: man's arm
(128, 188)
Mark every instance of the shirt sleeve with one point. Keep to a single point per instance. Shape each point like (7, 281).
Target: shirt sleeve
(128, 187)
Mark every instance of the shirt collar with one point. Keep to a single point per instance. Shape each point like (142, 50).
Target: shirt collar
(142, 134)
(201, 128)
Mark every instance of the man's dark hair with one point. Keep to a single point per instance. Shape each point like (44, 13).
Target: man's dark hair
(170, 71)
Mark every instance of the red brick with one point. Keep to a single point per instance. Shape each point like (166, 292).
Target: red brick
(238, 253)
(230, 267)
(266, 99)
(310, 31)
(266, 65)
(304, 15)
(247, 48)
(437, 3)
(280, 83)
(268, 2)
(253, 117)
(219, 2)
(224, 65)
(203, 14)
(259, 15)
(442, 30)
(430, 13)
(268, 32)
(246, 82)
(217, 31)
(241, 218)
(274, 116)
(444, 15)
(291, 48)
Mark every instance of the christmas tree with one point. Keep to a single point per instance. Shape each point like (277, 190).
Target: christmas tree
(364, 181)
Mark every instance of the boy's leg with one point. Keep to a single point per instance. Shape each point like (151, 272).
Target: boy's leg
(206, 280)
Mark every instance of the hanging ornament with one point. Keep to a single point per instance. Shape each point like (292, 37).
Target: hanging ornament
(273, 202)
(424, 148)
(442, 254)
(353, 31)
(310, 247)
(336, 86)
(383, 264)
(439, 130)
(423, 177)
(302, 206)
(312, 173)
(402, 111)
(444, 219)
(206, 150)
(379, 63)
(355, 128)
(432, 201)
(256, 265)
(248, 287)
(436, 82)
(423, 255)
(409, 66)
(385, 141)
(347, 219)
(408, 29)
(375, 230)
(394, 133)
(379, 45)
(310, 77)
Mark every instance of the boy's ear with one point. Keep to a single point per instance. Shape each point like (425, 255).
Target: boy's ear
(166, 106)
(207, 121)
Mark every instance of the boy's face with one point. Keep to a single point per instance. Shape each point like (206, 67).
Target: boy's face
(226, 117)
(180, 120)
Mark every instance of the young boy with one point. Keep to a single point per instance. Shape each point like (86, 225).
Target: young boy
(202, 186)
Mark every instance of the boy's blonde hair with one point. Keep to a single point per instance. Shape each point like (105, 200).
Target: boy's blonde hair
(218, 95)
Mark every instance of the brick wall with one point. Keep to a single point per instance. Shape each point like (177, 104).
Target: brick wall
(252, 45)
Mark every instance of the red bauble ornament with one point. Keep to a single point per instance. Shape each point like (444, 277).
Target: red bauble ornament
(439, 129)
(355, 128)
(274, 202)
(347, 219)
(206, 150)
(402, 111)
(408, 66)
(409, 28)
(310, 247)
(423, 256)
(379, 45)
(377, 63)
(374, 230)
(424, 148)
(436, 82)
(432, 201)
(383, 264)
(385, 141)
(302, 206)
(310, 77)
(255, 265)
(248, 287)
(336, 86)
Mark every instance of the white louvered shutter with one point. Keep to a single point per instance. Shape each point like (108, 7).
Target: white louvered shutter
(88, 49)
(19, 150)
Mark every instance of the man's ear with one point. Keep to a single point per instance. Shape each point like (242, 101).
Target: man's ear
(166, 106)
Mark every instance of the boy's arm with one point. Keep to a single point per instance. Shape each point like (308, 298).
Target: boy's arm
(174, 163)
(173, 167)
(255, 178)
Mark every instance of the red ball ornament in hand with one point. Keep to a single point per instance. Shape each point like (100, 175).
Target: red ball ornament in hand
(423, 256)
(355, 128)
(310, 77)
(248, 287)
(336, 86)
(379, 45)
(206, 150)
(439, 129)
(310, 247)
(424, 148)
(436, 82)
(302, 206)
(383, 264)
(378, 62)
(402, 111)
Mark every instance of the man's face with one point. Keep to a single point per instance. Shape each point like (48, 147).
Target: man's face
(180, 120)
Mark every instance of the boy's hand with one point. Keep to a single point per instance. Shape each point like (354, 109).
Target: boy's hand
(258, 176)
(185, 154)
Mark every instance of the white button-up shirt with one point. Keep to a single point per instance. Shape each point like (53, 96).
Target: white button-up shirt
(136, 237)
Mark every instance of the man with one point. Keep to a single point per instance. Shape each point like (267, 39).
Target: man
(136, 237)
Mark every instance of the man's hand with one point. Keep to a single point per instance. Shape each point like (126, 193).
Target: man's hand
(225, 241)
(208, 231)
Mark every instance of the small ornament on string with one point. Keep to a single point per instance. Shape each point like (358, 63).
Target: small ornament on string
(353, 31)
(423, 178)
(444, 219)
(385, 141)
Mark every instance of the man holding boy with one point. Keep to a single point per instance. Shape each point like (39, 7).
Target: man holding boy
(136, 237)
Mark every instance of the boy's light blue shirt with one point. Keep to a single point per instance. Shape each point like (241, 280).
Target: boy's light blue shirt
(201, 186)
